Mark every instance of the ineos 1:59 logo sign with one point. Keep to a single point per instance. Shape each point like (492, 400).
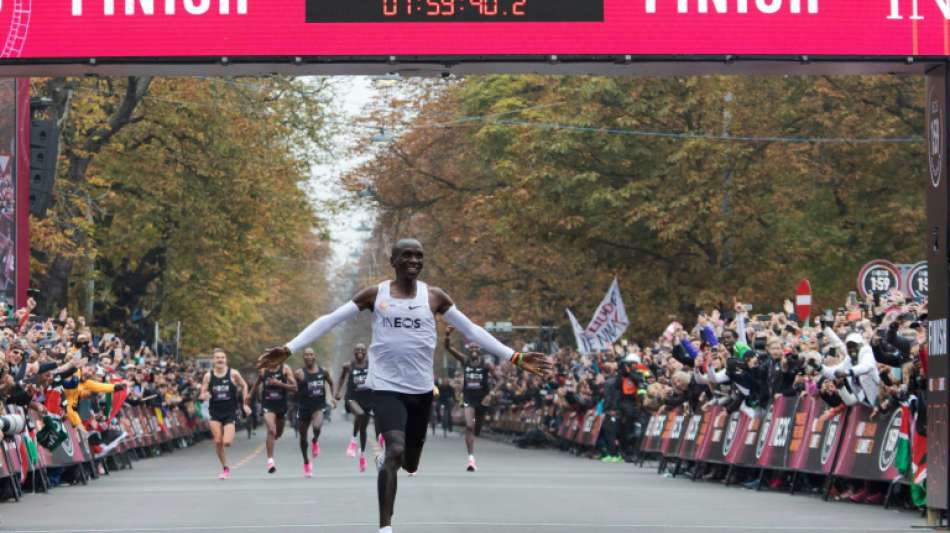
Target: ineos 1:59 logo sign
(878, 276)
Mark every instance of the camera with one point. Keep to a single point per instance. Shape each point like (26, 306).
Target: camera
(12, 424)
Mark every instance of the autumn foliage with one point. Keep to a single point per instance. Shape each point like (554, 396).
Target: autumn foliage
(530, 193)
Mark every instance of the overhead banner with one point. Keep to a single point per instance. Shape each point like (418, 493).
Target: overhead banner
(609, 323)
(154, 29)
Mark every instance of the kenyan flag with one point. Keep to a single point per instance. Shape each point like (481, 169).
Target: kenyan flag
(912, 459)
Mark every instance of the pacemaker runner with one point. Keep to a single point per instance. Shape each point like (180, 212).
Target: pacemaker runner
(221, 387)
(475, 389)
(314, 387)
(277, 380)
(358, 400)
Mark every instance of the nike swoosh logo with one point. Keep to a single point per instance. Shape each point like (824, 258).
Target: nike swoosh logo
(414, 307)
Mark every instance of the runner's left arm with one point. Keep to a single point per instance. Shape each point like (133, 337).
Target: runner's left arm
(291, 385)
(329, 388)
(239, 379)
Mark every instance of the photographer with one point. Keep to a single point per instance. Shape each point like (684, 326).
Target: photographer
(857, 367)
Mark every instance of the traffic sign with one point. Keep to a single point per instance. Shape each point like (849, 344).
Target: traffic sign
(803, 300)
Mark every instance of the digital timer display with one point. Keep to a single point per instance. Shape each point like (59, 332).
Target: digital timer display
(455, 10)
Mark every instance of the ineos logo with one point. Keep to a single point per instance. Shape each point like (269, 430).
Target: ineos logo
(731, 428)
(827, 443)
(889, 448)
(936, 152)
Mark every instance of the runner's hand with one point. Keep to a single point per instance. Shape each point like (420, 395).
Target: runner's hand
(273, 357)
(247, 410)
(537, 363)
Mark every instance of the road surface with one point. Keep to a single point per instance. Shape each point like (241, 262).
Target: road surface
(515, 491)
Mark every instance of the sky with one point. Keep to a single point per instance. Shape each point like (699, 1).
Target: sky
(354, 95)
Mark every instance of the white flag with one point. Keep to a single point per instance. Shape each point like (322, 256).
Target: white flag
(610, 320)
(609, 323)
(583, 344)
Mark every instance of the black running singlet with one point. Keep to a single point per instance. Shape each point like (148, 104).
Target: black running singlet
(357, 379)
(313, 385)
(273, 393)
(223, 392)
(476, 378)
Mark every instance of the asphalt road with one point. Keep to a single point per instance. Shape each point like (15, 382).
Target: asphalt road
(517, 491)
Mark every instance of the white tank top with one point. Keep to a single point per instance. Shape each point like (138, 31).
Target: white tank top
(404, 339)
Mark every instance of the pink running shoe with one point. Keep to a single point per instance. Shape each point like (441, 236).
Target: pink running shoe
(271, 467)
(225, 473)
(315, 449)
(308, 470)
(362, 463)
(471, 465)
(382, 441)
(351, 449)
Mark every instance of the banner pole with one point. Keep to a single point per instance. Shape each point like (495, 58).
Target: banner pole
(938, 369)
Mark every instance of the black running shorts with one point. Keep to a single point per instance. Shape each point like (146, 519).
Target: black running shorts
(408, 413)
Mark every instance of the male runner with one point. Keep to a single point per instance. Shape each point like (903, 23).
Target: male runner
(277, 380)
(220, 387)
(400, 360)
(315, 385)
(358, 399)
(474, 390)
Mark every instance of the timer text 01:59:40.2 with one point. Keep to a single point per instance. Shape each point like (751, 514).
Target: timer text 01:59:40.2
(455, 10)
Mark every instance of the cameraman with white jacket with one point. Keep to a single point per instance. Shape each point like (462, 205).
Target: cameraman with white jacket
(858, 367)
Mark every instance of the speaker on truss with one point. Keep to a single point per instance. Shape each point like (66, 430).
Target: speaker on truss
(44, 140)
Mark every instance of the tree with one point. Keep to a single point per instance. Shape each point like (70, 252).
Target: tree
(553, 185)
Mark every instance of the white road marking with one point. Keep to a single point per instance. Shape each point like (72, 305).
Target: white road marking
(493, 525)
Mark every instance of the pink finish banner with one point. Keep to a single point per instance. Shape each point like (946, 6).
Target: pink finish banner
(46, 29)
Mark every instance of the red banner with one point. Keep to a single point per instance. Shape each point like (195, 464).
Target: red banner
(720, 434)
(693, 434)
(654, 430)
(869, 447)
(777, 432)
(743, 443)
(815, 453)
(274, 28)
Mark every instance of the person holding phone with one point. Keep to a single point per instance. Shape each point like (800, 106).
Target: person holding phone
(220, 387)
(401, 360)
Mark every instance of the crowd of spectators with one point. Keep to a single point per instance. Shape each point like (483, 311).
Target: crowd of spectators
(59, 366)
(872, 352)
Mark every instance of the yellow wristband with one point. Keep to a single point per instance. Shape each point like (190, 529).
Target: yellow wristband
(516, 359)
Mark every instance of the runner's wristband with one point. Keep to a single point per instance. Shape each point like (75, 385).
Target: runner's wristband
(516, 359)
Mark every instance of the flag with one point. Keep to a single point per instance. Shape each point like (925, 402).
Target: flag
(583, 345)
(114, 402)
(911, 458)
(609, 323)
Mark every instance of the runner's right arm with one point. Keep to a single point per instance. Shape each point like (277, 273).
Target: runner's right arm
(344, 373)
(205, 381)
(257, 383)
(448, 345)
